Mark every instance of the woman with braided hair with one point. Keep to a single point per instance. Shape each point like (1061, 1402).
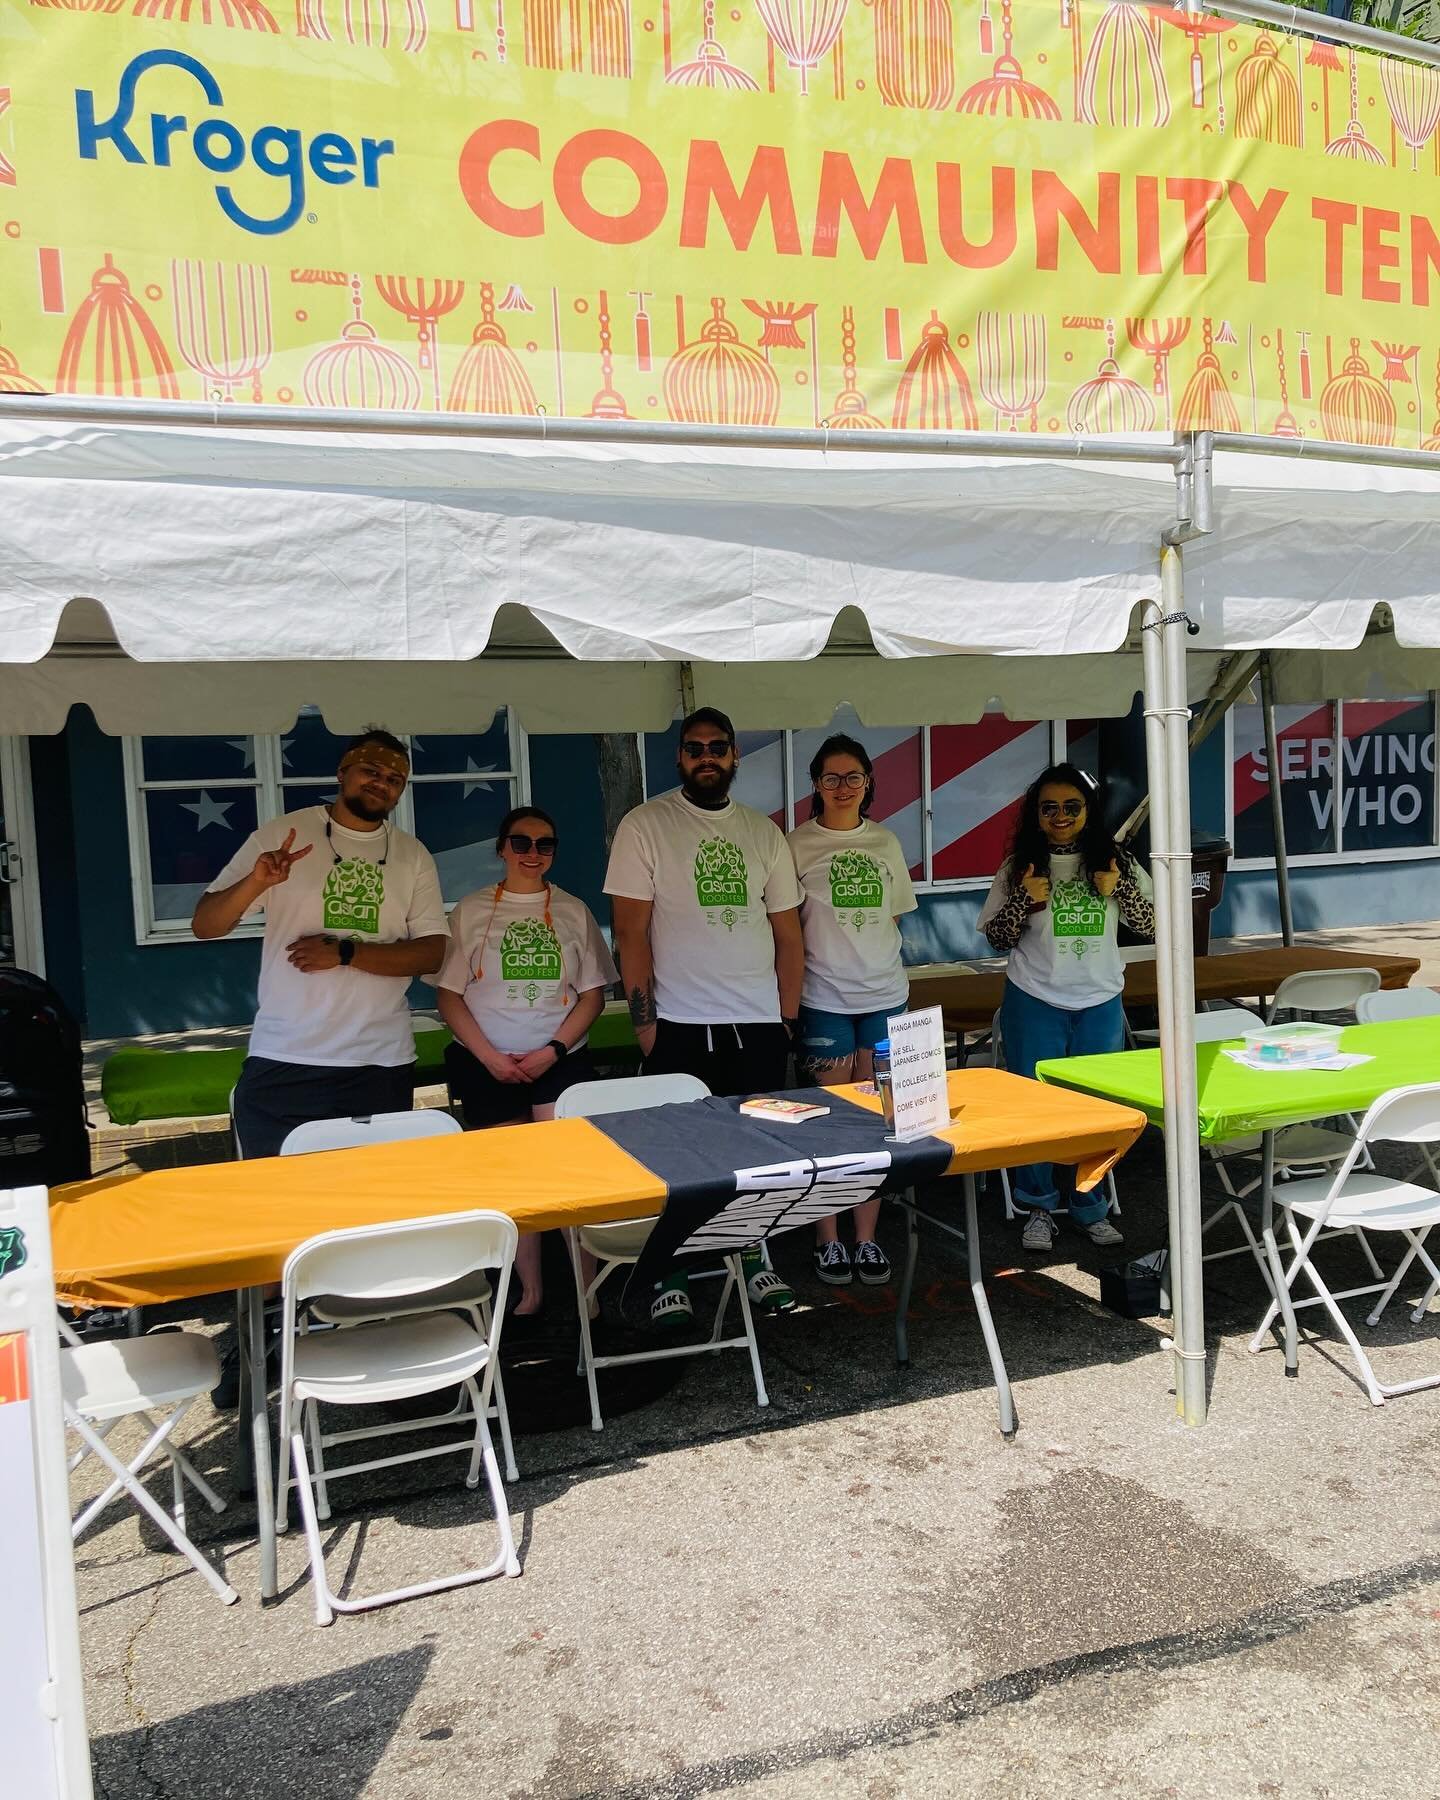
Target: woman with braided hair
(1054, 910)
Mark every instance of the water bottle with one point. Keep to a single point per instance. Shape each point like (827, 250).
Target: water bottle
(882, 1081)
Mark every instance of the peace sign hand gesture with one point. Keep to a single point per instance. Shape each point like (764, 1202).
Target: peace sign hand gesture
(273, 866)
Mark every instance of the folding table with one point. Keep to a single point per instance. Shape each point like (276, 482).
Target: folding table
(174, 1234)
(1236, 1101)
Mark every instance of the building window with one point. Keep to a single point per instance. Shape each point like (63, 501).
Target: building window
(1355, 776)
(192, 802)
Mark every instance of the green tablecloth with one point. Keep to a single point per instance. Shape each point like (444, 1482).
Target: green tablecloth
(1235, 1101)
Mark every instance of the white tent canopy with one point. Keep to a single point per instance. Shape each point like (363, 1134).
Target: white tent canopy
(222, 578)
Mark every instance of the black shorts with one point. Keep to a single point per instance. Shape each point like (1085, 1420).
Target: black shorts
(486, 1101)
(272, 1098)
(729, 1059)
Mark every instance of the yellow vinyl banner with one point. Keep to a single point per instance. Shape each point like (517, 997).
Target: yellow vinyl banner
(1051, 217)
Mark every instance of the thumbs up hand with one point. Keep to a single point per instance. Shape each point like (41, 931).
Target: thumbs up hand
(1105, 880)
(1036, 886)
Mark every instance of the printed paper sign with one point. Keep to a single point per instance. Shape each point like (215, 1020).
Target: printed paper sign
(917, 1073)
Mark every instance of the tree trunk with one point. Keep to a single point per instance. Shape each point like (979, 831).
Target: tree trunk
(618, 755)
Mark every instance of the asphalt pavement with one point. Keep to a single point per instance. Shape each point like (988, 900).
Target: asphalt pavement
(861, 1590)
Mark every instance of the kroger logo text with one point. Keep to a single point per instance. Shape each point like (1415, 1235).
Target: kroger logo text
(278, 151)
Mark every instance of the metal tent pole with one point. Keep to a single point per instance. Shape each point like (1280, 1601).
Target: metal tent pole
(1156, 757)
(1277, 801)
(1187, 1273)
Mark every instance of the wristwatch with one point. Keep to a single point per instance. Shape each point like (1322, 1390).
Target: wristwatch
(346, 950)
(561, 1050)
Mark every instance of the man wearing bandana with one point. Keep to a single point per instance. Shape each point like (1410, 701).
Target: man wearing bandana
(352, 912)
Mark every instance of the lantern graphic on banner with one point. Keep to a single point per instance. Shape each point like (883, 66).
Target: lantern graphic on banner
(934, 392)
(1110, 401)
(7, 170)
(1286, 424)
(1412, 92)
(782, 319)
(1157, 339)
(80, 6)
(359, 372)
(711, 67)
(1353, 144)
(1196, 27)
(1206, 404)
(609, 403)
(1325, 57)
(1397, 359)
(1267, 97)
(1010, 349)
(1005, 90)
(914, 52)
(371, 24)
(555, 37)
(1355, 406)
(249, 15)
(803, 31)
(1432, 443)
(222, 323)
(717, 380)
(1124, 73)
(423, 303)
(113, 346)
(490, 378)
(13, 379)
(851, 413)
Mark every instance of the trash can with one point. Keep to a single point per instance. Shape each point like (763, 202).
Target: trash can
(1209, 861)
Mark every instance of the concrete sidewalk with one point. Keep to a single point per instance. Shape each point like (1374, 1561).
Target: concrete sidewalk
(862, 1591)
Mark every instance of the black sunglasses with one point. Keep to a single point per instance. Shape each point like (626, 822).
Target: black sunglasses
(694, 749)
(1072, 809)
(522, 845)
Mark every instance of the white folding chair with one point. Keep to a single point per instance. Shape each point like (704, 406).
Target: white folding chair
(136, 1378)
(389, 1359)
(996, 1060)
(1363, 1199)
(469, 1295)
(1296, 1146)
(620, 1245)
(1315, 991)
(1397, 1003)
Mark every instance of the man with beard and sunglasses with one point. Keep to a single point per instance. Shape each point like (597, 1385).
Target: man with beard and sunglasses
(352, 912)
(707, 934)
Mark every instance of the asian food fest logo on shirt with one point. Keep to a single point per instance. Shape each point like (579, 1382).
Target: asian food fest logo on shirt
(354, 894)
(721, 880)
(855, 885)
(1078, 915)
(529, 955)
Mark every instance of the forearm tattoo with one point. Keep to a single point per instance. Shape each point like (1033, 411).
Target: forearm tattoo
(1005, 929)
(642, 1007)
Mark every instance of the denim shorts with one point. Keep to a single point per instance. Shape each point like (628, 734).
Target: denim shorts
(834, 1037)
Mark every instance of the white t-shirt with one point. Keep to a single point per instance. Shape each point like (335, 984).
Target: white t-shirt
(714, 879)
(531, 972)
(1067, 954)
(378, 887)
(855, 883)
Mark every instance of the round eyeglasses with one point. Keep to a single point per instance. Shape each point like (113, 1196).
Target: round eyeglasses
(852, 779)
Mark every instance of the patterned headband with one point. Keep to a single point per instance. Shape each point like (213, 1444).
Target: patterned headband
(381, 755)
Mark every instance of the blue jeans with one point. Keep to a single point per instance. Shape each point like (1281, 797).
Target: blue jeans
(1032, 1031)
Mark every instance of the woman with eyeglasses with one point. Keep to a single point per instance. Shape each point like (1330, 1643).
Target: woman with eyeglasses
(1054, 910)
(522, 983)
(855, 886)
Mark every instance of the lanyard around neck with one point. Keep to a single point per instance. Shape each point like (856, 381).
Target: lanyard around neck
(478, 968)
(330, 843)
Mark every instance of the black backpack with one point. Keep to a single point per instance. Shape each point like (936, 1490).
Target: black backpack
(44, 1140)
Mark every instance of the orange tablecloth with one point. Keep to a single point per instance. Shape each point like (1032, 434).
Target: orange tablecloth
(969, 1001)
(136, 1240)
